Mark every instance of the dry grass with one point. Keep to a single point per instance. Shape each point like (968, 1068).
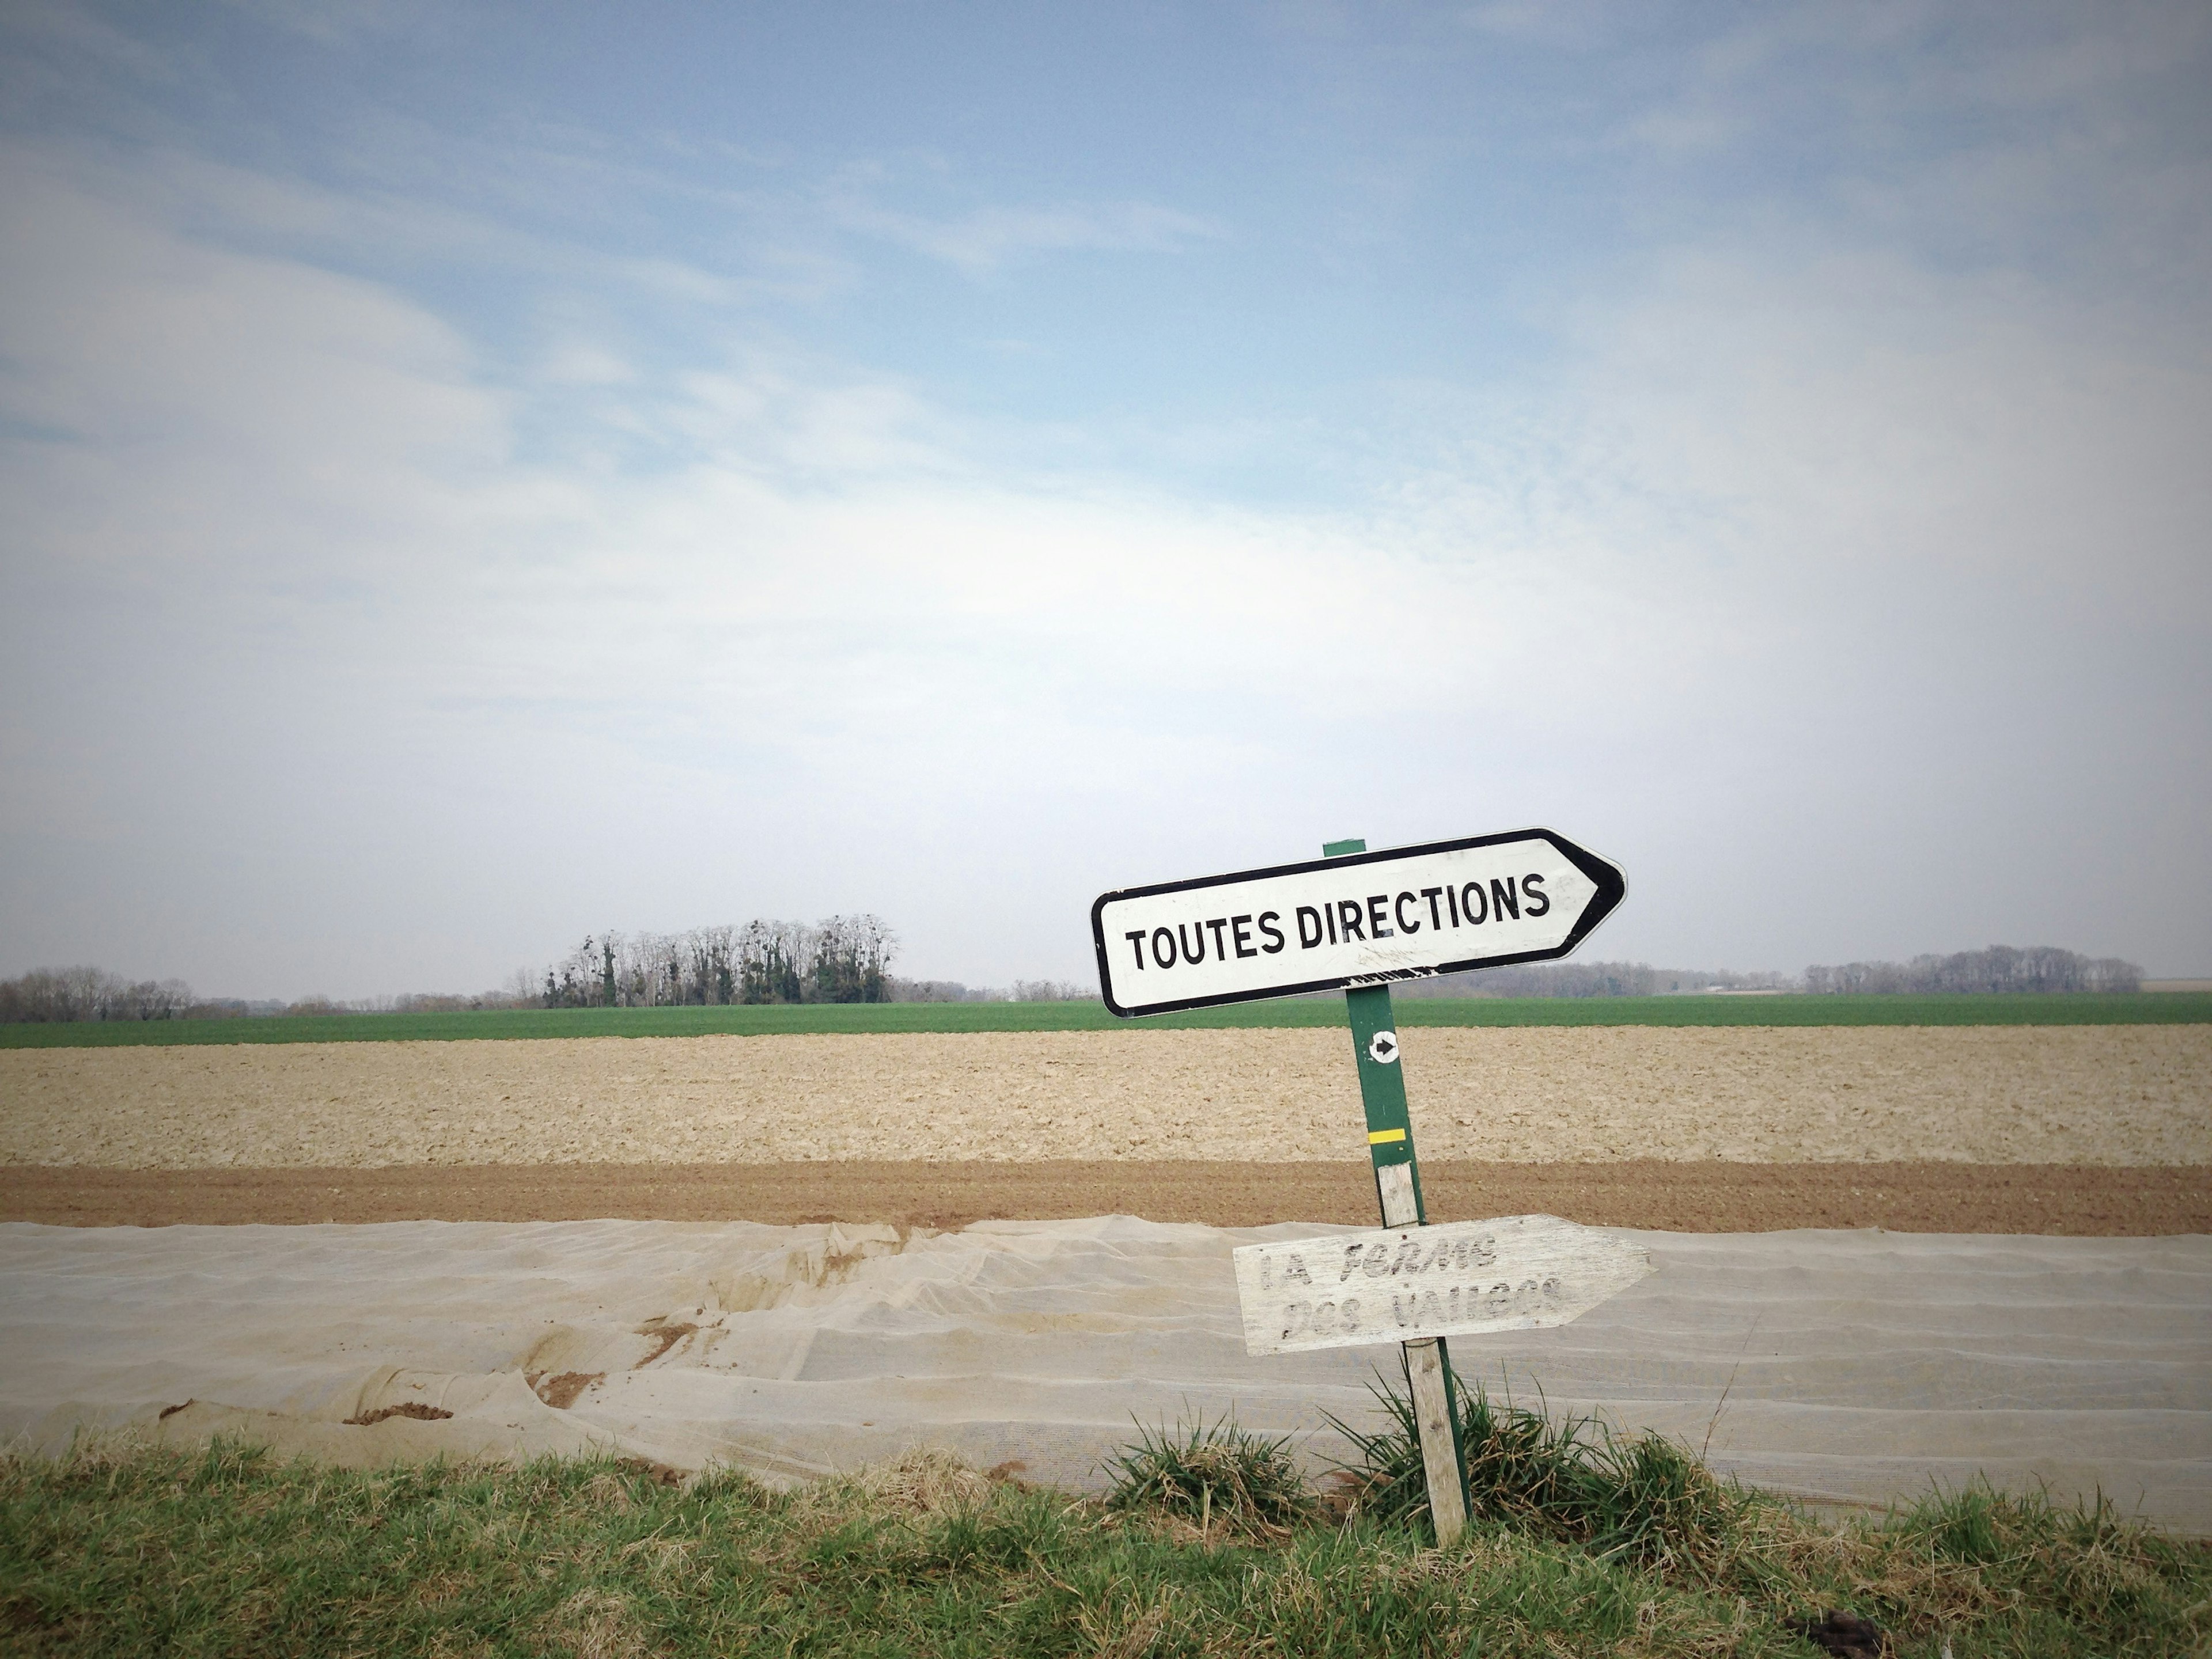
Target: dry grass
(922, 1480)
(118, 1550)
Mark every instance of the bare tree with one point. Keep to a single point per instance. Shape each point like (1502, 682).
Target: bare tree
(849, 957)
(769, 955)
(1050, 990)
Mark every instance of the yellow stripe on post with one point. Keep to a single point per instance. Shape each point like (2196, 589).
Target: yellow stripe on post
(1378, 1136)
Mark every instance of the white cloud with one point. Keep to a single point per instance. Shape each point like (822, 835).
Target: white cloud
(1862, 413)
(283, 509)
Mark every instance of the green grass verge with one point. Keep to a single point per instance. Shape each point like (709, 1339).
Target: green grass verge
(2147, 1008)
(162, 1551)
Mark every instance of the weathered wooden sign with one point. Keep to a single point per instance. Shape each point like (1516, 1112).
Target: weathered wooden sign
(1362, 919)
(1405, 1283)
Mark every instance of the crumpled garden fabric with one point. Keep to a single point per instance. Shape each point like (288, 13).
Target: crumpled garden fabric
(1846, 1366)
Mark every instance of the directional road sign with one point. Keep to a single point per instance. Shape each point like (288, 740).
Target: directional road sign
(1363, 918)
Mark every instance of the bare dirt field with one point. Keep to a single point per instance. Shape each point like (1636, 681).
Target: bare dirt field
(2115, 1096)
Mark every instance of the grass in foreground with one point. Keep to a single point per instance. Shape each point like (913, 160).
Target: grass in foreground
(2088, 1008)
(226, 1550)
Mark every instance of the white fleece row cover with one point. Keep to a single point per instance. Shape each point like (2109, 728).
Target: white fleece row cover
(1856, 1367)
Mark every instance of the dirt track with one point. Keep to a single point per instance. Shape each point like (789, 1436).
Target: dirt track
(1686, 1198)
(2104, 1096)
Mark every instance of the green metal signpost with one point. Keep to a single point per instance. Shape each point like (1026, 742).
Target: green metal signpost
(1398, 1188)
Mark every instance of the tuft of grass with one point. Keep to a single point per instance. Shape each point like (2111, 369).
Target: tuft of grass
(1211, 1475)
(161, 1551)
(1571, 1478)
(921, 1481)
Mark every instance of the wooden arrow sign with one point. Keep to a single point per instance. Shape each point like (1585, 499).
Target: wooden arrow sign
(1364, 919)
(1403, 1284)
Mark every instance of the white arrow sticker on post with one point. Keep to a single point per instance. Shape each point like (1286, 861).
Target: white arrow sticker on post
(1400, 1284)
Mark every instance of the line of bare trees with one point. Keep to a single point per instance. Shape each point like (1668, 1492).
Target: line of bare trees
(2000, 968)
(1587, 979)
(848, 959)
(72, 993)
(837, 959)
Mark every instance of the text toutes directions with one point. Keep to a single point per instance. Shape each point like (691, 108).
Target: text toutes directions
(1367, 918)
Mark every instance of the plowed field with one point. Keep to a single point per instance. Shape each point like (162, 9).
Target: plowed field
(2096, 1129)
(2113, 1096)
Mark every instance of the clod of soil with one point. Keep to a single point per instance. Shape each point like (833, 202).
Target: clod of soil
(666, 1333)
(1843, 1633)
(561, 1391)
(414, 1408)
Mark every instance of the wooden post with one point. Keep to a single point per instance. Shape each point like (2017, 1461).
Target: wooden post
(1398, 1186)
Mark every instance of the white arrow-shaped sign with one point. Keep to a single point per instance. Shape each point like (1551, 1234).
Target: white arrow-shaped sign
(1365, 919)
(1401, 1284)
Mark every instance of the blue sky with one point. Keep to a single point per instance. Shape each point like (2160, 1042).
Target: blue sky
(480, 474)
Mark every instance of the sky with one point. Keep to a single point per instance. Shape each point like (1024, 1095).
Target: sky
(474, 476)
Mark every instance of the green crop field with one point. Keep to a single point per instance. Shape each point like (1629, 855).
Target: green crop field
(2150, 1008)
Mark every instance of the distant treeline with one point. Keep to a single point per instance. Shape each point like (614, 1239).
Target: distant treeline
(1022, 990)
(848, 959)
(838, 959)
(61, 994)
(55, 995)
(2000, 968)
(1587, 979)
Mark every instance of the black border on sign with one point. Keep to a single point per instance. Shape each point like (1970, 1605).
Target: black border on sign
(1612, 886)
